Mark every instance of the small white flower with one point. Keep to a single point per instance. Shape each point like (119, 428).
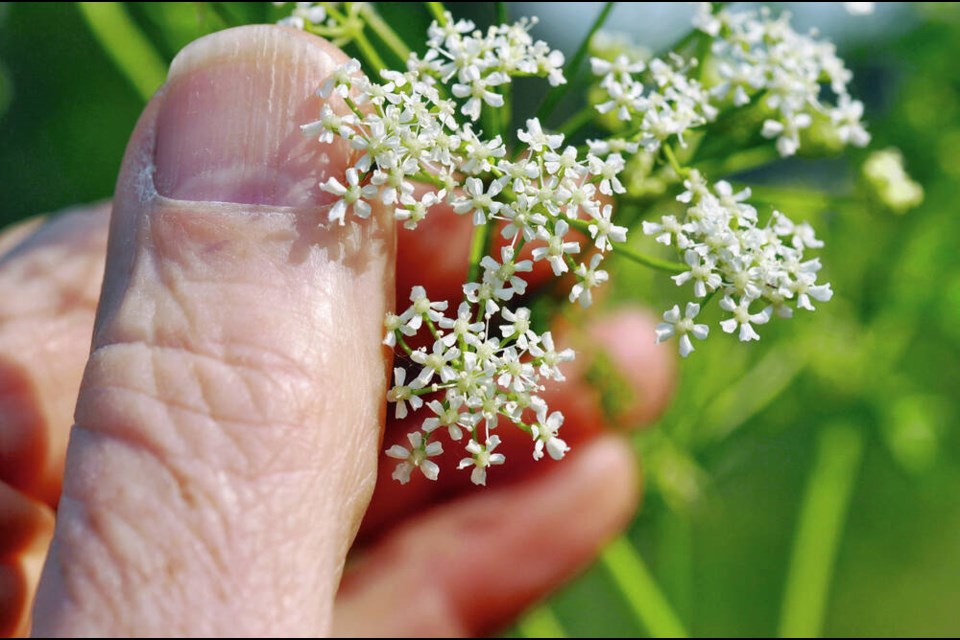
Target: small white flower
(313, 12)
(518, 326)
(514, 374)
(479, 154)
(702, 272)
(522, 220)
(588, 278)
(549, 359)
(544, 432)
(536, 139)
(617, 68)
(626, 98)
(804, 288)
(667, 229)
(479, 202)
(519, 172)
(402, 394)
(478, 90)
(557, 162)
(556, 247)
(742, 318)
(676, 325)
(351, 195)
(786, 132)
(696, 188)
(412, 211)
(601, 148)
(485, 293)
(481, 458)
(602, 229)
(502, 275)
(449, 415)
(330, 125)
(608, 170)
(341, 80)
(462, 327)
(847, 118)
(416, 457)
(392, 183)
(394, 323)
(422, 307)
(436, 363)
(727, 197)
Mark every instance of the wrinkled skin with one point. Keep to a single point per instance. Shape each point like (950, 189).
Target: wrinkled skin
(226, 438)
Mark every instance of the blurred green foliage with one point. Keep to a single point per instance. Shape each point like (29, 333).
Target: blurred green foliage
(747, 469)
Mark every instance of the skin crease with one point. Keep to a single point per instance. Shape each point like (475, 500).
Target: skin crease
(209, 488)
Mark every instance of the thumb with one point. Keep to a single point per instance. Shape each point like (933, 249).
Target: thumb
(229, 418)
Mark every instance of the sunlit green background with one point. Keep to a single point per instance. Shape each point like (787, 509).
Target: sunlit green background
(838, 432)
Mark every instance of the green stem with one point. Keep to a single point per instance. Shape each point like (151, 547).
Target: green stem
(491, 119)
(428, 179)
(223, 14)
(680, 44)
(704, 43)
(621, 249)
(541, 622)
(478, 249)
(369, 52)
(643, 594)
(432, 327)
(823, 513)
(649, 261)
(506, 112)
(578, 121)
(570, 72)
(502, 14)
(675, 558)
(801, 198)
(385, 32)
(427, 390)
(738, 162)
(354, 107)
(744, 398)
(438, 11)
(690, 36)
(403, 344)
(674, 164)
(126, 45)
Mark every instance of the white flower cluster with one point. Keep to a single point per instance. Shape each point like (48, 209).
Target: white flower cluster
(758, 270)
(670, 104)
(486, 361)
(475, 375)
(762, 56)
(429, 139)
(480, 63)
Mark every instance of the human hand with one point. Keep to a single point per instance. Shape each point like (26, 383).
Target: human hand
(228, 426)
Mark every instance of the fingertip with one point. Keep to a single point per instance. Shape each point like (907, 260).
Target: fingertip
(626, 338)
(237, 365)
(229, 126)
(601, 478)
(469, 567)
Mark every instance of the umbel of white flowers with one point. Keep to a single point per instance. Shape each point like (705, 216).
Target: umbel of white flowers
(486, 365)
